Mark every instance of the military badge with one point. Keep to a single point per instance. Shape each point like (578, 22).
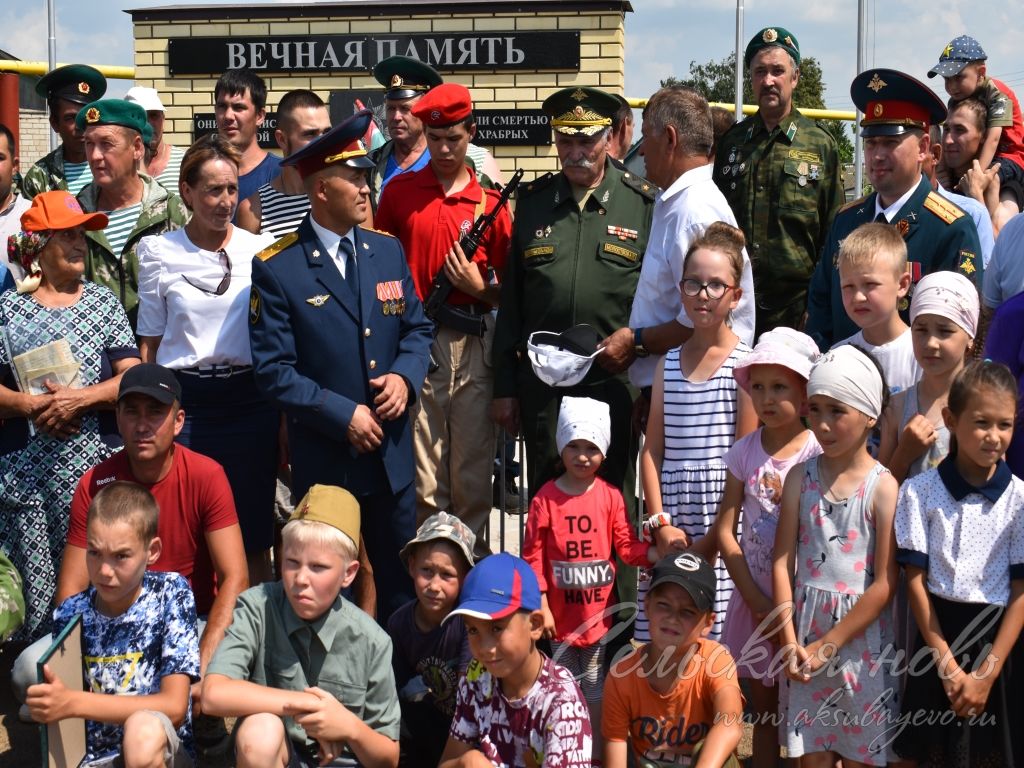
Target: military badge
(903, 226)
(316, 253)
(92, 115)
(83, 87)
(770, 36)
(391, 297)
(579, 94)
(604, 199)
(318, 301)
(788, 41)
(876, 84)
(396, 80)
(802, 168)
(623, 233)
(813, 172)
(879, 109)
(255, 305)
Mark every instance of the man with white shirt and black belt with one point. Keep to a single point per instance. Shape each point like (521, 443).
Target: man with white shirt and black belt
(677, 142)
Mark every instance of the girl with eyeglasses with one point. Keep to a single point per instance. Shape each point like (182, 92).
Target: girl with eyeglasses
(194, 319)
(697, 411)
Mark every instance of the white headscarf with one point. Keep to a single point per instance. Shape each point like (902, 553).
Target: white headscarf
(849, 376)
(581, 418)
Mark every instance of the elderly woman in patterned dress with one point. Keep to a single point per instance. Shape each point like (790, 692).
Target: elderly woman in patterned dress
(52, 433)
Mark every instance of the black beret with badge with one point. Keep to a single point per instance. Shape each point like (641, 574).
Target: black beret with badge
(115, 112)
(342, 144)
(580, 111)
(894, 103)
(77, 83)
(404, 77)
(769, 37)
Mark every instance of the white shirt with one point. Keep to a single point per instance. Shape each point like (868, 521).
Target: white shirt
(681, 214)
(896, 357)
(332, 242)
(197, 329)
(893, 209)
(10, 224)
(970, 540)
(1004, 274)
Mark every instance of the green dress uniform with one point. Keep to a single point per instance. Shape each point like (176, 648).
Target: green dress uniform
(569, 266)
(938, 234)
(784, 186)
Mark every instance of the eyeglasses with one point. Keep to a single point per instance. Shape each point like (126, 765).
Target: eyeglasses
(715, 289)
(225, 281)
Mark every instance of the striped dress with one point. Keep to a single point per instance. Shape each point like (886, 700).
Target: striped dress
(281, 213)
(700, 426)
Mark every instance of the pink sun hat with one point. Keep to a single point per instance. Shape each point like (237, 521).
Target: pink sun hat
(779, 346)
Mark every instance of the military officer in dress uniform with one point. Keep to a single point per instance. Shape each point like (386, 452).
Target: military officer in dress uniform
(780, 173)
(341, 344)
(66, 89)
(897, 112)
(578, 239)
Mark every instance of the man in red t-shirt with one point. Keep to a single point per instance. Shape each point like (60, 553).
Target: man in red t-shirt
(198, 525)
(429, 211)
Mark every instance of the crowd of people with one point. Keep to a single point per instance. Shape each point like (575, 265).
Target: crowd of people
(814, 398)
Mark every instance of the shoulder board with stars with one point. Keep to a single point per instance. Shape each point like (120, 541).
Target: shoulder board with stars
(853, 204)
(378, 231)
(275, 248)
(541, 182)
(941, 207)
(640, 184)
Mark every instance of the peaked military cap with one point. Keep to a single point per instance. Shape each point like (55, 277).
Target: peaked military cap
(342, 144)
(115, 112)
(404, 77)
(894, 103)
(768, 37)
(580, 111)
(77, 83)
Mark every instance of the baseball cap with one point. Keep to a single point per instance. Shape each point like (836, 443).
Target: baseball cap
(147, 98)
(692, 573)
(330, 505)
(563, 359)
(443, 527)
(498, 586)
(58, 209)
(151, 380)
(779, 346)
(958, 53)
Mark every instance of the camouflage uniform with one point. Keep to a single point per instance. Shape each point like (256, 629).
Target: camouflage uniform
(161, 212)
(784, 186)
(45, 175)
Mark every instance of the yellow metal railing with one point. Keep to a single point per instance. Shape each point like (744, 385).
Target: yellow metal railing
(749, 109)
(41, 68)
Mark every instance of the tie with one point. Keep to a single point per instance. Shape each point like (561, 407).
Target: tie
(880, 219)
(351, 273)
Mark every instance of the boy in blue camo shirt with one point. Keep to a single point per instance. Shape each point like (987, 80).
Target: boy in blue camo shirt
(140, 646)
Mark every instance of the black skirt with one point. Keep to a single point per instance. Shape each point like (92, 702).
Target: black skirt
(931, 733)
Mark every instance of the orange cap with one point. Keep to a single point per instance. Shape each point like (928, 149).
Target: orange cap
(58, 209)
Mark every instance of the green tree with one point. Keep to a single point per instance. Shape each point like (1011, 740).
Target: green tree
(715, 79)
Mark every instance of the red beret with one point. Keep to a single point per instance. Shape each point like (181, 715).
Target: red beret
(443, 105)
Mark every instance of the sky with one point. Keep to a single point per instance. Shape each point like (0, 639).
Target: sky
(662, 36)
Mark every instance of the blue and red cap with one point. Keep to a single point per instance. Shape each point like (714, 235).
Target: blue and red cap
(498, 586)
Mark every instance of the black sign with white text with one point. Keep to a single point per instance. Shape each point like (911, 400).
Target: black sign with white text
(497, 50)
(206, 122)
(511, 127)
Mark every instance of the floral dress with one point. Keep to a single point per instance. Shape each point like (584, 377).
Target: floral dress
(38, 480)
(850, 704)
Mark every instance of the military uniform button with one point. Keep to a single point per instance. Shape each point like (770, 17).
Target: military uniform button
(373, 365)
(367, 333)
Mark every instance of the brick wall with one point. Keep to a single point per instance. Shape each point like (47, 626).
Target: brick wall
(602, 55)
(34, 141)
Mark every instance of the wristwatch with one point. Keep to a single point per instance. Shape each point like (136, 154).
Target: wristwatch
(638, 343)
